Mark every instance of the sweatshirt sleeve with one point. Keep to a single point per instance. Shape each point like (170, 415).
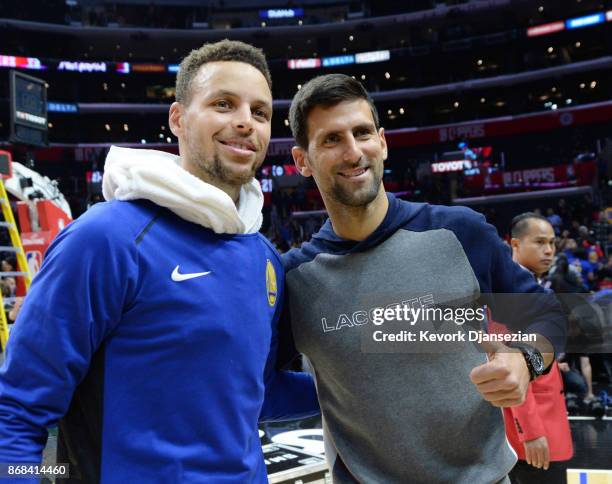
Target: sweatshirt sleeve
(515, 297)
(75, 300)
(289, 395)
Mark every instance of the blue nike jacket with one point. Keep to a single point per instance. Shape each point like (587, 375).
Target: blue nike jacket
(152, 341)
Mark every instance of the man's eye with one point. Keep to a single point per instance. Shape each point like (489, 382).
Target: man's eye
(222, 104)
(260, 113)
(331, 139)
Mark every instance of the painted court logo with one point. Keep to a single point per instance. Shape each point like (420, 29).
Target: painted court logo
(271, 283)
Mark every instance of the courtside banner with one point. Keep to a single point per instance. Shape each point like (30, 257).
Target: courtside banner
(506, 126)
(546, 177)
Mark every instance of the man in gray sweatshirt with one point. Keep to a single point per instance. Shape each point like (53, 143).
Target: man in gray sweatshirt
(396, 411)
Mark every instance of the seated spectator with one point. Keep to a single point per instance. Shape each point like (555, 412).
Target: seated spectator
(8, 264)
(593, 266)
(574, 382)
(563, 280)
(569, 247)
(585, 237)
(9, 286)
(604, 274)
(554, 220)
(14, 311)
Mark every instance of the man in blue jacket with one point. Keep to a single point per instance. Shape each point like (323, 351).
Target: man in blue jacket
(403, 411)
(150, 332)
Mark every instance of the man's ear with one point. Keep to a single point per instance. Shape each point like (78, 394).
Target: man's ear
(300, 158)
(514, 243)
(383, 142)
(175, 119)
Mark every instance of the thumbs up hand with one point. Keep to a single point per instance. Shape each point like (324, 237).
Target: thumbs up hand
(504, 379)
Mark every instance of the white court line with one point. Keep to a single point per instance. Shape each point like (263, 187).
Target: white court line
(588, 418)
(591, 471)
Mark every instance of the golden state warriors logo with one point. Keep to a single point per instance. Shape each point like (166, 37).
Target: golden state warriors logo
(271, 283)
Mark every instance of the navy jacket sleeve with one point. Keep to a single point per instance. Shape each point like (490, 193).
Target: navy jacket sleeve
(515, 297)
(75, 300)
(289, 395)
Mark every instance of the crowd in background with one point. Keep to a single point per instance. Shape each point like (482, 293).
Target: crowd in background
(584, 234)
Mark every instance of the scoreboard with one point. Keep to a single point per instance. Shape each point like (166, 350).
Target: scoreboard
(28, 110)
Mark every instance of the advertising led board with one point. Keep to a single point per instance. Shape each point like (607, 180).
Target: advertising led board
(374, 56)
(450, 166)
(148, 68)
(545, 29)
(123, 67)
(586, 21)
(21, 62)
(304, 63)
(338, 60)
(281, 13)
(81, 66)
(53, 107)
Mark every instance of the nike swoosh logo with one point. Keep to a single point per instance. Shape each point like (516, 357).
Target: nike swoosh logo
(178, 277)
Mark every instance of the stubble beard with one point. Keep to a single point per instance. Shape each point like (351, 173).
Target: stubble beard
(358, 198)
(221, 173)
(213, 171)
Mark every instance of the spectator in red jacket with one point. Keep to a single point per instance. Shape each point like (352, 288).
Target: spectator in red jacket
(538, 430)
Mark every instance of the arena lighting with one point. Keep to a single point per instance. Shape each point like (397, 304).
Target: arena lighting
(81, 66)
(373, 56)
(609, 15)
(545, 29)
(338, 60)
(274, 13)
(304, 63)
(173, 67)
(585, 21)
(21, 62)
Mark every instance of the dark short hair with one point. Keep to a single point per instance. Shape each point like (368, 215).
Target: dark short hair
(224, 50)
(326, 91)
(520, 223)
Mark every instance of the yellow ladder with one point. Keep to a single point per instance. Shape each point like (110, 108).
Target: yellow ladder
(22, 262)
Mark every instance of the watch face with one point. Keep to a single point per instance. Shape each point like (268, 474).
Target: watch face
(537, 362)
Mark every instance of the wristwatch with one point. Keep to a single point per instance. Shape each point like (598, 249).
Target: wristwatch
(533, 358)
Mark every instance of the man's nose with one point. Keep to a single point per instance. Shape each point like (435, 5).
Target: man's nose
(243, 119)
(352, 152)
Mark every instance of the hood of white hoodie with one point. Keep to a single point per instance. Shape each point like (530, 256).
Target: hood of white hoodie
(132, 174)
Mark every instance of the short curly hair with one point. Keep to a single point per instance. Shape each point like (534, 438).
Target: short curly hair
(224, 50)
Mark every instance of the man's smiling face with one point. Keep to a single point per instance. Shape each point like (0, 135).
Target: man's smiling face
(345, 153)
(224, 130)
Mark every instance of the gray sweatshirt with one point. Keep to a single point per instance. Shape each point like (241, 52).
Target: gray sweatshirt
(395, 412)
